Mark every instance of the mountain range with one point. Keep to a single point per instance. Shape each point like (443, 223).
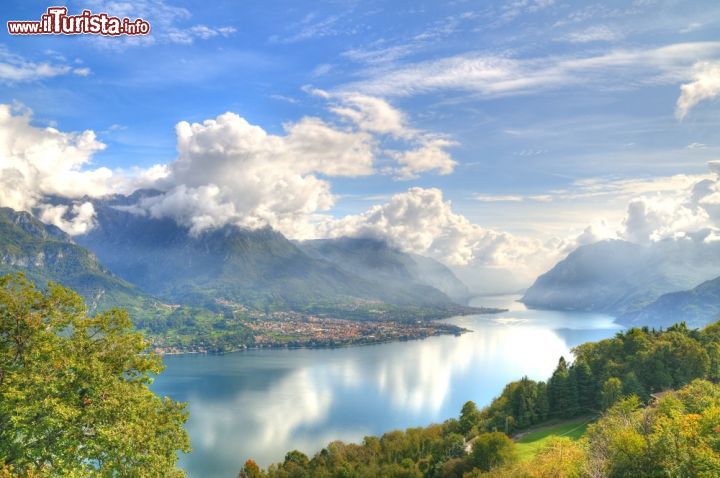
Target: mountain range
(131, 257)
(259, 268)
(375, 260)
(621, 278)
(44, 253)
(696, 307)
(151, 265)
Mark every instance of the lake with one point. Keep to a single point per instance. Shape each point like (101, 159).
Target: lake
(260, 404)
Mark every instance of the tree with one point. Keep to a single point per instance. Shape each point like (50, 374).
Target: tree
(492, 449)
(585, 386)
(713, 351)
(611, 392)
(675, 437)
(74, 396)
(469, 417)
(250, 470)
(632, 386)
(562, 392)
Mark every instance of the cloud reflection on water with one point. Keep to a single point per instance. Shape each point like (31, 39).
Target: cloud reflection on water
(274, 401)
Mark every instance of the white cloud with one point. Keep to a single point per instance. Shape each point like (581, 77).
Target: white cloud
(498, 198)
(322, 69)
(422, 222)
(78, 219)
(36, 162)
(230, 171)
(690, 210)
(310, 28)
(494, 76)
(429, 156)
(169, 23)
(15, 69)
(599, 188)
(596, 33)
(380, 54)
(205, 32)
(516, 8)
(425, 151)
(372, 114)
(705, 85)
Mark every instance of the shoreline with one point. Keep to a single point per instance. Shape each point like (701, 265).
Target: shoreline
(359, 343)
(437, 330)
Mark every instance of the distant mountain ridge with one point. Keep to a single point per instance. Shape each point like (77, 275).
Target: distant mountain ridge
(374, 259)
(259, 268)
(44, 253)
(620, 277)
(697, 307)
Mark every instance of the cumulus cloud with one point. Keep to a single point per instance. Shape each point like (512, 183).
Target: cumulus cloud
(705, 85)
(370, 114)
(429, 156)
(422, 222)
(37, 162)
(230, 171)
(692, 211)
(74, 220)
(426, 152)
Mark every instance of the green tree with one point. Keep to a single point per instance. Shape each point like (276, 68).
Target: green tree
(562, 392)
(632, 386)
(611, 392)
(675, 437)
(469, 417)
(492, 449)
(74, 396)
(713, 351)
(585, 384)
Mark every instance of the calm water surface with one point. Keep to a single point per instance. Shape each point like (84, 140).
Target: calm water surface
(263, 403)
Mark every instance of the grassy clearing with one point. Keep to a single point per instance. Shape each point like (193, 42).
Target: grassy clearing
(530, 441)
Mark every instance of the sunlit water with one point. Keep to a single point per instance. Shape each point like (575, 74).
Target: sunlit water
(263, 403)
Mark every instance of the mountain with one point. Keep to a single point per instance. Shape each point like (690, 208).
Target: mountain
(697, 307)
(619, 277)
(45, 253)
(376, 261)
(258, 268)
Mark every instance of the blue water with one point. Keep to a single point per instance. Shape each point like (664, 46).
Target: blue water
(260, 404)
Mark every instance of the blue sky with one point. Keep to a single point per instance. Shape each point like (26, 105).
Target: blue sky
(555, 112)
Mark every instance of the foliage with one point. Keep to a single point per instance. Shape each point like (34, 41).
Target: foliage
(611, 392)
(74, 397)
(675, 437)
(636, 362)
(469, 417)
(492, 449)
